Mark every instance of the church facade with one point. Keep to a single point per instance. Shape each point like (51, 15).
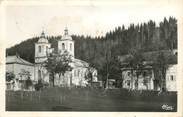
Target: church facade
(75, 77)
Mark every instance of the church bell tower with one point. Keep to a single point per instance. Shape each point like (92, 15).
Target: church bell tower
(66, 43)
(41, 49)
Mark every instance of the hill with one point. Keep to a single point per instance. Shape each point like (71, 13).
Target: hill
(148, 36)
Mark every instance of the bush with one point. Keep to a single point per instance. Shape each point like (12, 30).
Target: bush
(28, 83)
(39, 85)
(10, 76)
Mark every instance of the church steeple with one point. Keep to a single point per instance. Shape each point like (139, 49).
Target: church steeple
(43, 34)
(66, 31)
(41, 48)
(66, 35)
(66, 43)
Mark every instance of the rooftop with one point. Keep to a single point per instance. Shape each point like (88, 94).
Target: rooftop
(66, 35)
(17, 60)
(42, 38)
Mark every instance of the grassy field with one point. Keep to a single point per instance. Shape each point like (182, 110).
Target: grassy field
(64, 99)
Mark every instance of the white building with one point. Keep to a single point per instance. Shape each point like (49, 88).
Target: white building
(76, 77)
(171, 79)
(18, 67)
(147, 81)
(41, 49)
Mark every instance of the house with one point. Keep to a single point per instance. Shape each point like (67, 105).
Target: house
(144, 80)
(171, 78)
(147, 79)
(22, 69)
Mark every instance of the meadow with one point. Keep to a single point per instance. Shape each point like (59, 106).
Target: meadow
(86, 99)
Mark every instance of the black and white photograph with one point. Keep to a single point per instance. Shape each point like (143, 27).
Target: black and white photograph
(92, 57)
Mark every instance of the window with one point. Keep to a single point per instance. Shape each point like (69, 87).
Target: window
(144, 74)
(75, 73)
(42, 48)
(128, 83)
(171, 78)
(39, 49)
(70, 46)
(78, 72)
(176, 53)
(63, 46)
(46, 48)
(39, 74)
(128, 73)
(81, 73)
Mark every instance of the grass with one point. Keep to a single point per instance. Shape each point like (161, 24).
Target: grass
(79, 99)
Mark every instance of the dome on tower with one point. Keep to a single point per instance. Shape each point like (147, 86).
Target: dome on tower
(42, 39)
(66, 36)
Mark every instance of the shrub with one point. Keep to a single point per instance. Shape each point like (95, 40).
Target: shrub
(39, 85)
(10, 76)
(28, 83)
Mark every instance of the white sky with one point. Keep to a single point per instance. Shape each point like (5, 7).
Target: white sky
(91, 18)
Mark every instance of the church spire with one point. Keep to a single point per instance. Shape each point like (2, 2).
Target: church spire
(66, 31)
(43, 34)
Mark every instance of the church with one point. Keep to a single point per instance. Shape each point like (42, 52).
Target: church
(37, 71)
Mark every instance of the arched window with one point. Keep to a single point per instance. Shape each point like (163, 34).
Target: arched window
(128, 83)
(128, 73)
(63, 46)
(70, 46)
(39, 48)
(75, 73)
(46, 48)
(81, 73)
(39, 74)
(78, 72)
(171, 78)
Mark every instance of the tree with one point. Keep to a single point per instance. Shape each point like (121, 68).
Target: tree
(135, 63)
(107, 59)
(115, 71)
(58, 63)
(24, 74)
(160, 66)
(28, 83)
(89, 74)
(39, 85)
(10, 76)
(25, 78)
(149, 36)
(111, 70)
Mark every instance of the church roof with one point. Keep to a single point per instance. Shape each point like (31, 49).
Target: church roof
(80, 63)
(42, 39)
(66, 35)
(17, 60)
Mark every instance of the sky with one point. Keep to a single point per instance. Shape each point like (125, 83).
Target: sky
(81, 18)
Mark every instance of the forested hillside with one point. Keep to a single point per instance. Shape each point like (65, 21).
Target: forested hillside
(147, 36)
